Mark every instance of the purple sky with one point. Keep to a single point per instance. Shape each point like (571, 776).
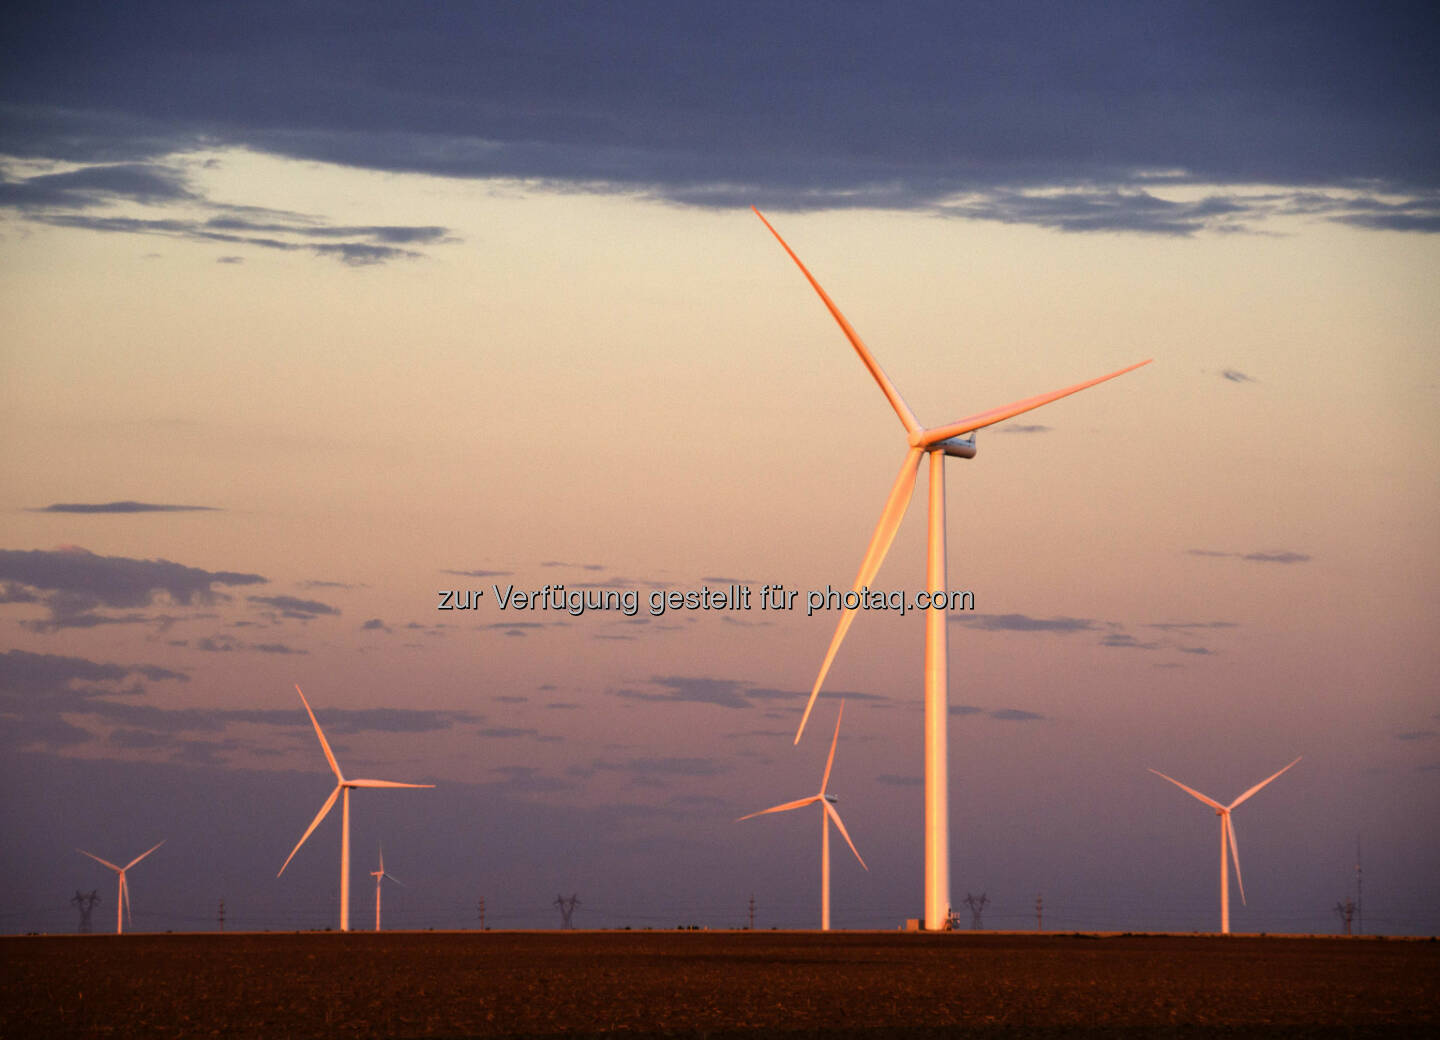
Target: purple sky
(315, 312)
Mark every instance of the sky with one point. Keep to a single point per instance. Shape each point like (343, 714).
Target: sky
(316, 313)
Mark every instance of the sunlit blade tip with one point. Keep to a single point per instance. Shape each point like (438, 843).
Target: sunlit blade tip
(829, 762)
(324, 809)
(1261, 784)
(907, 417)
(840, 824)
(1204, 798)
(799, 803)
(97, 859)
(324, 744)
(880, 542)
(147, 852)
(1235, 856)
(1009, 411)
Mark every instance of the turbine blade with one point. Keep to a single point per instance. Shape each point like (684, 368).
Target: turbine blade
(381, 783)
(395, 879)
(1235, 855)
(1257, 787)
(995, 415)
(125, 891)
(825, 780)
(907, 417)
(147, 852)
(1208, 801)
(890, 518)
(784, 808)
(97, 859)
(835, 816)
(329, 804)
(324, 744)
(382, 859)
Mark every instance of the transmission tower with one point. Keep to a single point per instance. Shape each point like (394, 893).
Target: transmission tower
(976, 905)
(85, 902)
(1039, 913)
(480, 911)
(750, 925)
(1346, 910)
(221, 916)
(567, 909)
(1359, 898)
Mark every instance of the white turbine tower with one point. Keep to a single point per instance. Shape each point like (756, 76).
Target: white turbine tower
(827, 801)
(122, 897)
(1227, 837)
(344, 786)
(379, 876)
(937, 442)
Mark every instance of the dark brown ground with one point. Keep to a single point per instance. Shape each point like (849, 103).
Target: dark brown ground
(717, 984)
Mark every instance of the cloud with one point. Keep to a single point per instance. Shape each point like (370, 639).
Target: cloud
(1235, 376)
(356, 254)
(479, 574)
(224, 644)
(1022, 623)
(375, 625)
(291, 607)
(1190, 625)
(1015, 715)
(1128, 642)
(95, 186)
(1023, 428)
(72, 583)
(1272, 556)
(964, 709)
(725, 693)
(1417, 734)
(1061, 116)
(121, 507)
(664, 765)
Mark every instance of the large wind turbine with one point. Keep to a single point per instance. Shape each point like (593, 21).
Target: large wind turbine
(827, 801)
(937, 442)
(122, 897)
(1227, 835)
(345, 786)
(380, 876)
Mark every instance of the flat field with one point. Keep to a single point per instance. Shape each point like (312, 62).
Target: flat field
(715, 984)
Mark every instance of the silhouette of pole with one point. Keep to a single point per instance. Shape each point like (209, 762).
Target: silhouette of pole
(221, 916)
(750, 925)
(1039, 913)
(976, 905)
(481, 911)
(567, 909)
(1346, 910)
(85, 902)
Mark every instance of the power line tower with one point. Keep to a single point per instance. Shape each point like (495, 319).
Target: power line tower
(1346, 910)
(221, 916)
(567, 909)
(1039, 912)
(750, 921)
(976, 905)
(85, 902)
(480, 912)
(1359, 898)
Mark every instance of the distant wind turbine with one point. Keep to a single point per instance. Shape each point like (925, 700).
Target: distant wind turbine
(122, 897)
(827, 801)
(937, 442)
(1227, 836)
(345, 786)
(379, 876)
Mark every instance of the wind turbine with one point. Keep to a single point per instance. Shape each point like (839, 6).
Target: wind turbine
(379, 876)
(937, 442)
(1227, 836)
(122, 897)
(345, 786)
(827, 801)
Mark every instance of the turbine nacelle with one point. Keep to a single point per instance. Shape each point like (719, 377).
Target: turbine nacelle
(957, 447)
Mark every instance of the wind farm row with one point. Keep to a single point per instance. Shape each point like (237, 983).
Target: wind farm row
(951, 440)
